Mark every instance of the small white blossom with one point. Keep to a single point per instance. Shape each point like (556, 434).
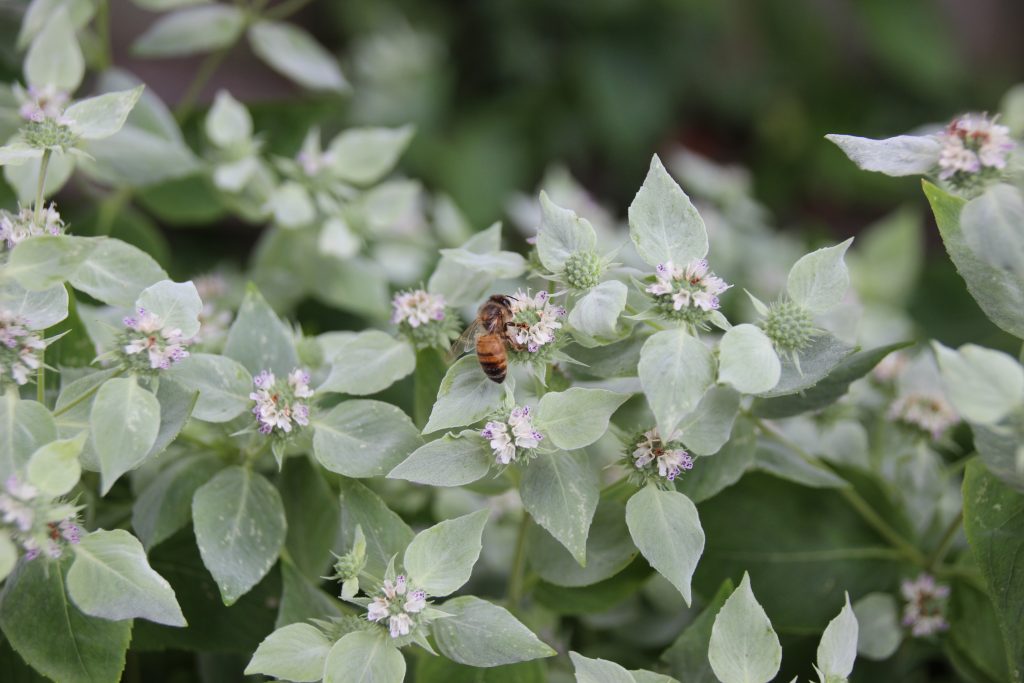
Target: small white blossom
(20, 348)
(535, 319)
(36, 523)
(417, 307)
(692, 290)
(651, 450)
(15, 228)
(398, 605)
(41, 103)
(926, 602)
(277, 403)
(510, 440)
(928, 411)
(160, 345)
(972, 143)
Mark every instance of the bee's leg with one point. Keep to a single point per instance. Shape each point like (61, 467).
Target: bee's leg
(511, 340)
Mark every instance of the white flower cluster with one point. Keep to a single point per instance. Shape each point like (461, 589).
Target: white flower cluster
(926, 601)
(398, 603)
(536, 320)
(37, 524)
(507, 439)
(20, 348)
(20, 226)
(279, 404)
(669, 461)
(971, 143)
(159, 345)
(690, 287)
(417, 307)
(39, 104)
(928, 411)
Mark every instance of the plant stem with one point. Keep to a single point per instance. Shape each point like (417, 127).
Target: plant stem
(86, 395)
(946, 542)
(515, 579)
(195, 89)
(103, 34)
(44, 164)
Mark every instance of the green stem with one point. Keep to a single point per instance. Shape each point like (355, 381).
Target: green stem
(84, 397)
(285, 9)
(515, 579)
(44, 164)
(103, 34)
(946, 542)
(195, 89)
(109, 208)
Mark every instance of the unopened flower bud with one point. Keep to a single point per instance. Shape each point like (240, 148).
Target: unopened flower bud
(789, 326)
(583, 270)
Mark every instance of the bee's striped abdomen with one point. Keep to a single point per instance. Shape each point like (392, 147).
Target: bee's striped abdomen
(490, 351)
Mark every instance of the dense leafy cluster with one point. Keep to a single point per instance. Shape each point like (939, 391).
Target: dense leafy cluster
(659, 447)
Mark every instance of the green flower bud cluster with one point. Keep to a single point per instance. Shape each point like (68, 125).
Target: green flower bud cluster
(789, 325)
(49, 134)
(583, 270)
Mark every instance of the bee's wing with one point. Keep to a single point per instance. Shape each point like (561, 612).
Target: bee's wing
(465, 342)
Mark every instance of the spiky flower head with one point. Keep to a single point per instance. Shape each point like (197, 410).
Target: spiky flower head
(927, 411)
(925, 610)
(280, 403)
(15, 227)
(40, 526)
(513, 439)
(973, 147)
(148, 345)
(789, 325)
(583, 270)
(653, 459)
(20, 349)
(46, 126)
(425, 319)
(536, 329)
(688, 294)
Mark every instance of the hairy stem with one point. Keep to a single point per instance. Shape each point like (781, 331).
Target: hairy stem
(44, 164)
(515, 579)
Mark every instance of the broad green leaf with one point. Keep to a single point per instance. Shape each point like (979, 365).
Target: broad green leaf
(666, 528)
(54, 58)
(819, 280)
(609, 550)
(886, 266)
(786, 464)
(560, 491)
(52, 635)
(983, 385)
(1000, 293)
(838, 647)
(994, 522)
(137, 158)
(296, 652)
(597, 598)
(710, 475)
(899, 156)
(448, 461)
(443, 669)
(878, 620)
(369, 362)
(176, 405)
(223, 385)
(259, 340)
(1000, 448)
(292, 52)
(466, 396)
(598, 670)
(116, 272)
(643, 676)
(687, 657)
(190, 31)
(176, 303)
(228, 122)
(577, 417)
(313, 514)
(39, 11)
(302, 599)
(747, 360)
(364, 657)
(111, 578)
(54, 468)
(362, 438)
(743, 646)
(96, 118)
(990, 225)
(479, 633)
(595, 316)
(365, 155)
(165, 505)
(973, 642)
(337, 239)
(17, 153)
(291, 205)
(561, 234)
(386, 533)
(675, 370)
(663, 223)
(706, 429)
(124, 422)
(823, 355)
(440, 559)
(496, 264)
(8, 554)
(459, 278)
(240, 528)
(41, 262)
(40, 309)
(25, 426)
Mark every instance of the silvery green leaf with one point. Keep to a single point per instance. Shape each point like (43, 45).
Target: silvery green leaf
(54, 468)
(711, 475)
(259, 340)
(75, 407)
(99, 117)
(369, 362)
(176, 303)
(135, 157)
(455, 276)
(983, 384)
(482, 634)
(165, 505)
(675, 370)
(39, 263)
(386, 533)
(116, 272)
(313, 512)
(176, 405)
(785, 464)
(302, 599)
(991, 227)
(364, 657)
(8, 554)
(747, 360)
(223, 385)
(39, 309)
(817, 360)
(642, 676)
(54, 58)
(337, 239)
(497, 264)
(228, 122)
(706, 429)
(440, 559)
(291, 205)
(899, 156)
(296, 652)
(38, 11)
(838, 647)
(16, 153)
(465, 396)
(365, 155)
(24, 427)
(562, 233)
(663, 223)
(24, 177)
(666, 528)
(609, 549)
(362, 438)
(292, 52)
(819, 280)
(560, 490)
(190, 31)
(240, 528)
(111, 578)
(577, 417)
(124, 422)
(880, 633)
(744, 647)
(448, 461)
(233, 176)
(597, 312)
(598, 670)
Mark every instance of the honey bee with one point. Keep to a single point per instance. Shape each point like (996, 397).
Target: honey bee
(489, 336)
